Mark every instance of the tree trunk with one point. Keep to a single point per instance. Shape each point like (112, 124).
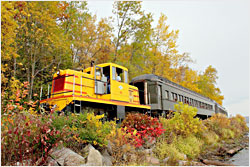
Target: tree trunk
(32, 79)
(14, 67)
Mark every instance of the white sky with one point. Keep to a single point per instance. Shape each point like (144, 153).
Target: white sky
(213, 32)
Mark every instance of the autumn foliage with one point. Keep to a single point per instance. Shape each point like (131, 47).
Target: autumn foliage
(39, 38)
(143, 127)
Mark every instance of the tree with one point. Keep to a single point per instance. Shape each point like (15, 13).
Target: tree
(40, 40)
(126, 13)
(207, 84)
(136, 52)
(89, 41)
(9, 28)
(163, 48)
(189, 80)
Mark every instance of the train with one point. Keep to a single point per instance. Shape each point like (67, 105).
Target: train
(105, 88)
(162, 94)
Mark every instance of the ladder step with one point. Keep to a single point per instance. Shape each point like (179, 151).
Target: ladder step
(77, 105)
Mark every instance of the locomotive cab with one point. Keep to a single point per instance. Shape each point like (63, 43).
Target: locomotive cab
(110, 80)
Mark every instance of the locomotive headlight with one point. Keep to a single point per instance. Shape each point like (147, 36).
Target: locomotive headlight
(58, 72)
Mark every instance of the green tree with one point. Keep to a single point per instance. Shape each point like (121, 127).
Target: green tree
(136, 52)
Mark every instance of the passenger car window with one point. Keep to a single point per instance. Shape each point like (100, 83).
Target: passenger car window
(166, 93)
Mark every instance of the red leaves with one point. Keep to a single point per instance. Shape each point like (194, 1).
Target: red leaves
(28, 133)
(29, 136)
(9, 132)
(145, 126)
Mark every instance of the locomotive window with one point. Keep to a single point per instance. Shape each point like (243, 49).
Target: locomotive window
(117, 74)
(113, 73)
(126, 76)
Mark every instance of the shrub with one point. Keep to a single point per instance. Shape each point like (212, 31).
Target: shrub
(85, 128)
(17, 100)
(164, 150)
(209, 137)
(190, 146)
(120, 143)
(222, 126)
(226, 128)
(144, 127)
(27, 138)
(238, 125)
(183, 122)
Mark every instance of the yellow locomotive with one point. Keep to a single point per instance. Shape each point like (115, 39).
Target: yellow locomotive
(104, 87)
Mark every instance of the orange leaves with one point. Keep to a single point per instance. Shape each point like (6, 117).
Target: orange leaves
(10, 107)
(20, 107)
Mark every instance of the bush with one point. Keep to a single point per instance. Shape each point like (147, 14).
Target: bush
(183, 122)
(85, 128)
(164, 150)
(120, 143)
(16, 100)
(209, 137)
(26, 138)
(144, 127)
(226, 128)
(238, 125)
(190, 146)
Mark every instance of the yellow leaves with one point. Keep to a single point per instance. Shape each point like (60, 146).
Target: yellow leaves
(135, 131)
(183, 123)
(99, 116)
(23, 13)
(74, 128)
(32, 111)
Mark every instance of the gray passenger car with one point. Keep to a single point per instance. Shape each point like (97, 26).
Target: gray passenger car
(163, 94)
